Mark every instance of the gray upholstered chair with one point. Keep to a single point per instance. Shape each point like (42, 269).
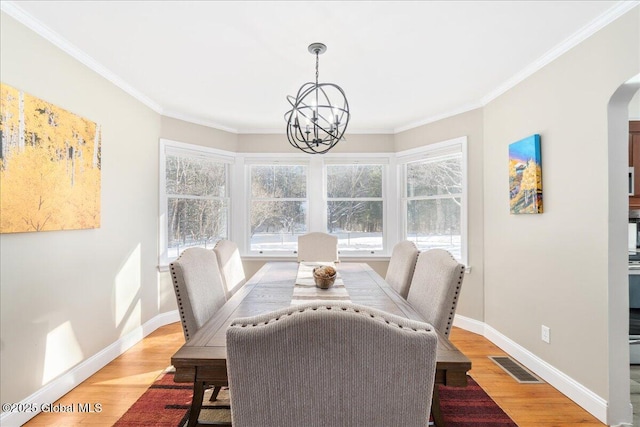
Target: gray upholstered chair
(401, 266)
(325, 364)
(317, 246)
(435, 288)
(199, 290)
(230, 265)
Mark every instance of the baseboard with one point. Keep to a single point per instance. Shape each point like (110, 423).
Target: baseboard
(57, 388)
(469, 324)
(588, 400)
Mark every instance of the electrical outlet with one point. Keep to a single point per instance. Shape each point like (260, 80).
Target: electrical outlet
(546, 334)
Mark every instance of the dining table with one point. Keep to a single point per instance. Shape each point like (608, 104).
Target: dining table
(202, 360)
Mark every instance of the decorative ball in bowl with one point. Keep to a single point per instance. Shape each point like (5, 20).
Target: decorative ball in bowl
(324, 276)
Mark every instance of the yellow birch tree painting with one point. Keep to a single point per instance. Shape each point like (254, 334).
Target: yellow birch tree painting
(525, 176)
(49, 166)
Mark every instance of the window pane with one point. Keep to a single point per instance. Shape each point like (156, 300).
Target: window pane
(198, 223)
(195, 176)
(354, 181)
(279, 181)
(435, 224)
(358, 225)
(277, 225)
(437, 177)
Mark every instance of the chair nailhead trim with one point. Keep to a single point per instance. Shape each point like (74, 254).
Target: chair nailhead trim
(328, 307)
(183, 318)
(455, 298)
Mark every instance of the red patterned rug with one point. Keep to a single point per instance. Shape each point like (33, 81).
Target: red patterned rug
(166, 404)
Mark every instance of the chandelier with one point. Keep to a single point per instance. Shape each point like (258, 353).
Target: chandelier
(319, 113)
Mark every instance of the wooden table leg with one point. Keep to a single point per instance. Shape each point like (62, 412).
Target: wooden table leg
(438, 421)
(214, 393)
(196, 403)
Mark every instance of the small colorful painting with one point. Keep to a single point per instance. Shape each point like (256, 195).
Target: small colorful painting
(49, 166)
(525, 176)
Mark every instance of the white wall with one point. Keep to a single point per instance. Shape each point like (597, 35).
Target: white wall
(179, 130)
(618, 114)
(354, 143)
(67, 295)
(552, 268)
(634, 107)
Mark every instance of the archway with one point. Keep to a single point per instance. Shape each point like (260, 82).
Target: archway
(620, 410)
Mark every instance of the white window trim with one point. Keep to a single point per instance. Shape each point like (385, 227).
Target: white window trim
(176, 147)
(394, 219)
(422, 153)
(389, 193)
(317, 206)
(343, 160)
(268, 159)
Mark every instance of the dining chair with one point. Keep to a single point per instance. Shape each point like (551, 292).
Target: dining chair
(230, 265)
(434, 292)
(325, 364)
(317, 246)
(199, 290)
(401, 266)
(435, 288)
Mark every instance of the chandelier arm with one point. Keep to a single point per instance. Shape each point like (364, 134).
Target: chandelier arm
(329, 121)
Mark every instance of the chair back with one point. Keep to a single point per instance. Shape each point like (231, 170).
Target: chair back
(230, 265)
(435, 288)
(198, 287)
(325, 365)
(401, 267)
(317, 246)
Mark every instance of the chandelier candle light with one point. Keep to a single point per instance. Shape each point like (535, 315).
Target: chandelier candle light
(315, 124)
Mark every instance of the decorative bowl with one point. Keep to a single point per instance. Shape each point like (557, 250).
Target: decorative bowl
(323, 277)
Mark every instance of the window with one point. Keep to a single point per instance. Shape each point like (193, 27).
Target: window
(278, 206)
(355, 206)
(275, 198)
(434, 201)
(194, 199)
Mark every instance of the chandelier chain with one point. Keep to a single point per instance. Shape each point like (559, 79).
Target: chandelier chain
(317, 66)
(315, 113)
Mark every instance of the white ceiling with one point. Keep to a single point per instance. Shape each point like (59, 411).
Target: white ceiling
(230, 64)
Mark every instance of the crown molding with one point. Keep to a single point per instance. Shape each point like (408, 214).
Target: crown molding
(451, 113)
(622, 7)
(272, 131)
(569, 43)
(17, 13)
(579, 36)
(198, 121)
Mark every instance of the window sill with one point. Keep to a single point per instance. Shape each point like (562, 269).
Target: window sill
(345, 258)
(289, 258)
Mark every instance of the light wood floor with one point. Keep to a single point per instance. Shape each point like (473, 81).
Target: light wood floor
(119, 384)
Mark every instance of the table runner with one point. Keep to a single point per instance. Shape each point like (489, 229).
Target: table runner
(305, 289)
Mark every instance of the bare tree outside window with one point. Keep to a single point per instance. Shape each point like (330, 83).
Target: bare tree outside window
(433, 203)
(355, 206)
(198, 202)
(278, 206)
